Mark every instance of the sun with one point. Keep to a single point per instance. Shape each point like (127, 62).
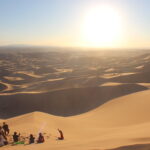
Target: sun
(102, 27)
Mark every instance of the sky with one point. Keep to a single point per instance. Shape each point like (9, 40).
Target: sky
(63, 23)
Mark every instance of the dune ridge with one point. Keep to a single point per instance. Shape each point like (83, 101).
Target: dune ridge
(65, 102)
(120, 124)
(98, 99)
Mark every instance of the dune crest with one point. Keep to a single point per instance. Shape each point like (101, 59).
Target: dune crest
(65, 102)
(122, 122)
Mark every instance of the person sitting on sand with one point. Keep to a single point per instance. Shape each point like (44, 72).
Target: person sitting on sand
(6, 128)
(31, 139)
(40, 138)
(2, 132)
(3, 140)
(16, 137)
(61, 135)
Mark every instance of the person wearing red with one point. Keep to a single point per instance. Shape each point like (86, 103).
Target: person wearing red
(61, 135)
(40, 138)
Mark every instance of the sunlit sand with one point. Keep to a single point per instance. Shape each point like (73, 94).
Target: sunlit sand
(13, 78)
(112, 75)
(75, 73)
(29, 74)
(120, 122)
(111, 84)
(100, 103)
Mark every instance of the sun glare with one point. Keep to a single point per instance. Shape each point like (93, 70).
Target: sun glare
(102, 27)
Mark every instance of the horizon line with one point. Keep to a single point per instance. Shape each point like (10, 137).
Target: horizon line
(73, 47)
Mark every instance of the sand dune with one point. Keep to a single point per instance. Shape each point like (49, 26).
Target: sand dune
(31, 74)
(13, 78)
(111, 84)
(134, 147)
(2, 86)
(99, 99)
(114, 75)
(5, 86)
(65, 102)
(133, 78)
(120, 124)
(140, 67)
(145, 84)
(132, 109)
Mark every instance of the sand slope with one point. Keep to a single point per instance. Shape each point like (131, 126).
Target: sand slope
(65, 102)
(126, 110)
(123, 122)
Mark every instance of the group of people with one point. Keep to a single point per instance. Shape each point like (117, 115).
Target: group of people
(4, 133)
(31, 138)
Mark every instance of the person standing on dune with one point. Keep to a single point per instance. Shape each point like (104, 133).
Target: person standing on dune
(5, 128)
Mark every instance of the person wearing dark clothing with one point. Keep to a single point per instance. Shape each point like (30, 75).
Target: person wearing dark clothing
(40, 138)
(61, 135)
(31, 139)
(16, 137)
(5, 128)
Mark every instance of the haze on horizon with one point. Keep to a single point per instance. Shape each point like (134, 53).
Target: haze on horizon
(80, 23)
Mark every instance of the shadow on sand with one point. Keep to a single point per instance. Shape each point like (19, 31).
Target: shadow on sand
(64, 102)
(134, 147)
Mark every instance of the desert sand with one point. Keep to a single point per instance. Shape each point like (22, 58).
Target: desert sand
(120, 124)
(98, 99)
